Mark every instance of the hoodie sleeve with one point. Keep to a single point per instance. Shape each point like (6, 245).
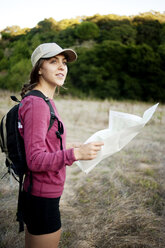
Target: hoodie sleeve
(34, 114)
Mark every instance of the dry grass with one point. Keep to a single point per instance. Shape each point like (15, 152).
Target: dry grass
(119, 204)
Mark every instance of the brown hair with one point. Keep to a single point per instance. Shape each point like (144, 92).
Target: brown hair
(34, 78)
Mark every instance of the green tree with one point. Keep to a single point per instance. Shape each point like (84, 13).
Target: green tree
(18, 75)
(124, 33)
(97, 69)
(66, 37)
(162, 34)
(144, 64)
(15, 30)
(130, 87)
(34, 42)
(148, 31)
(111, 55)
(47, 25)
(4, 63)
(87, 31)
(110, 65)
(161, 51)
(67, 23)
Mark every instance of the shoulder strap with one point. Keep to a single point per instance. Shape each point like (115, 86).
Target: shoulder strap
(35, 93)
(46, 99)
(53, 116)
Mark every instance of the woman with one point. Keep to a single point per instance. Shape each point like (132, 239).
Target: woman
(46, 161)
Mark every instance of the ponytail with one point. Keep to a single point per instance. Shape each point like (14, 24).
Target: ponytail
(34, 78)
(27, 87)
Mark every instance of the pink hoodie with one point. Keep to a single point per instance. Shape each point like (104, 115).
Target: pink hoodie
(44, 157)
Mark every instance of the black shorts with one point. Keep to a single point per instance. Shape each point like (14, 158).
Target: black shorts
(41, 215)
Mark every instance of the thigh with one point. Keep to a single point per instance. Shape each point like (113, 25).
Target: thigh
(42, 241)
(41, 215)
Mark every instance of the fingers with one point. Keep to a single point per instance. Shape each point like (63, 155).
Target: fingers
(93, 149)
(97, 145)
(88, 151)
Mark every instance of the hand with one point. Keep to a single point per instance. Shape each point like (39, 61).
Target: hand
(88, 151)
(73, 145)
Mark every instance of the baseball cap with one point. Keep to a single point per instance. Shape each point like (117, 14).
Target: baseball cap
(48, 50)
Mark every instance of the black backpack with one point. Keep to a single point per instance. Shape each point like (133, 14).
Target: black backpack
(12, 145)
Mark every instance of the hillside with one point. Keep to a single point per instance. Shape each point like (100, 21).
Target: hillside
(119, 57)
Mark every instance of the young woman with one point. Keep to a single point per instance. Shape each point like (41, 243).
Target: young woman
(46, 160)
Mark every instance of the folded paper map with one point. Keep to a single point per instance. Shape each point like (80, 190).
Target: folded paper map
(122, 129)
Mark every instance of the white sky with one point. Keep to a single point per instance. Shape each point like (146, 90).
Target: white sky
(27, 13)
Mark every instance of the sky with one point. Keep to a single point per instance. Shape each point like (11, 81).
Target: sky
(27, 13)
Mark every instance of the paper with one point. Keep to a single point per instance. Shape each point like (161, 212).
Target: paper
(122, 129)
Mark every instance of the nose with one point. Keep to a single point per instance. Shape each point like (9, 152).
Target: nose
(61, 65)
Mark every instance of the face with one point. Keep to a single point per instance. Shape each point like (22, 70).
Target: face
(54, 70)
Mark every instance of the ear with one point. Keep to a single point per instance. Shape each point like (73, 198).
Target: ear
(39, 72)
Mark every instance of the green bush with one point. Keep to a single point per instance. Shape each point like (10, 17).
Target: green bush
(17, 75)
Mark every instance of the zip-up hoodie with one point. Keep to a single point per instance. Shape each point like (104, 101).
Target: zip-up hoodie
(44, 157)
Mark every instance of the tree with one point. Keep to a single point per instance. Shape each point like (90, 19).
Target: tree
(67, 23)
(87, 31)
(14, 30)
(144, 64)
(119, 57)
(47, 24)
(67, 37)
(162, 34)
(124, 33)
(18, 75)
(149, 32)
(130, 87)
(97, 70)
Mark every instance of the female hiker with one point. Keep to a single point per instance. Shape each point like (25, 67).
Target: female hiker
(46, 152)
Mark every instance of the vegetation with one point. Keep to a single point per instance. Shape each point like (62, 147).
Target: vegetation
(118, 57)
(121, 202)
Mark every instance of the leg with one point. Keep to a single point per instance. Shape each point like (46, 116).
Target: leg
(42, 241)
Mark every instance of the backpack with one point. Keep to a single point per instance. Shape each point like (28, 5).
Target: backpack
(12, 145)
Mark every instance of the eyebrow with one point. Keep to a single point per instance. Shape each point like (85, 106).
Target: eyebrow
(56, 57)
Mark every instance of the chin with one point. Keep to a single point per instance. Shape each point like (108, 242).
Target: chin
(59, 84)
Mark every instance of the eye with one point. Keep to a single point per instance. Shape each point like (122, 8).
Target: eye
(65, 62)
(53, 61)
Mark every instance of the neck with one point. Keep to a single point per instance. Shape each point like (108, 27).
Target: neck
(47, 91)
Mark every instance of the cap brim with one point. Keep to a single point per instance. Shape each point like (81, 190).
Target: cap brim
(69, 53)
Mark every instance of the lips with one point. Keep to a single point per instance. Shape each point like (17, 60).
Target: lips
(60, 75)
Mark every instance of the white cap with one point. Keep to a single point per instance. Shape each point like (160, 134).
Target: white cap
(48, 50)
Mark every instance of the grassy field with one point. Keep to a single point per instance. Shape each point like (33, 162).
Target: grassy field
(121, 202)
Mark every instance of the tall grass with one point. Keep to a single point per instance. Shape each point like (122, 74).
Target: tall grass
(120, 203)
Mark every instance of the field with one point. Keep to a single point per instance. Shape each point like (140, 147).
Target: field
(121, 202)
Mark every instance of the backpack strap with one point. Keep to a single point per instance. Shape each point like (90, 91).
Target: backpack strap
(46, 99)
(52, 119)
(19, 213)
(53, 116)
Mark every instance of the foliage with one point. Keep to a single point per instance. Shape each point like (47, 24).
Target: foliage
(118, 57)
(124, 33)
(148, 31)
(87, 30)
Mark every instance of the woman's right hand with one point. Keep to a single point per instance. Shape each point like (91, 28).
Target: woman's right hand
(88, 151)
